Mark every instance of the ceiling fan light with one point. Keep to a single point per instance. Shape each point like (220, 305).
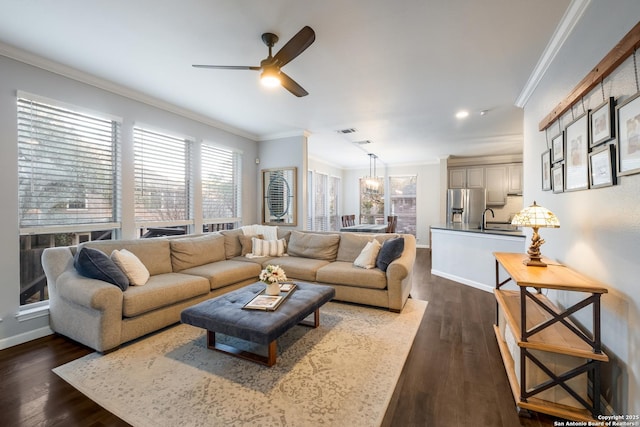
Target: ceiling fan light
(270, 77)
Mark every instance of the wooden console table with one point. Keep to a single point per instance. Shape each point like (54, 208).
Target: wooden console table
(553, 354)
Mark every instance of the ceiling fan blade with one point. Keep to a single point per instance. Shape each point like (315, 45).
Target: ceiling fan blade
(289, 84)
(227, 67)
(295, 46)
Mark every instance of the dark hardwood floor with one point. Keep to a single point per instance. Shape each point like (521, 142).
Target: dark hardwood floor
(453, 375)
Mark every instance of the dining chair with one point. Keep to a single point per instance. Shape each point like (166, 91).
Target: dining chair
(392, 222)
(348, 220)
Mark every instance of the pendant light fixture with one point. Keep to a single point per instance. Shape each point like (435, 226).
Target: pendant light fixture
(372, 185)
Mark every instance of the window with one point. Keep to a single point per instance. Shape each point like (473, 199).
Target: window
(402, 195)
(67, 187)
(324, 192)
(220, 175)
(162, 179)
(372, 201)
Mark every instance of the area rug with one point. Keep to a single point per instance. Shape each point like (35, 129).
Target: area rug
(340, 374)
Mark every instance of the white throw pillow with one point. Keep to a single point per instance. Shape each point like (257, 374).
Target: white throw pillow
(267, 247)
(368, 255)
(131, 266)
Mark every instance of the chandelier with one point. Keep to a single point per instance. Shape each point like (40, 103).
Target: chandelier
(371, 183)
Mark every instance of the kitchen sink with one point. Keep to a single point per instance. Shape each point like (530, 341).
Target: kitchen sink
(499, 227)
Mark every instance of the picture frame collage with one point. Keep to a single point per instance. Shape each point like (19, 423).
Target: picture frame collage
(595, 148)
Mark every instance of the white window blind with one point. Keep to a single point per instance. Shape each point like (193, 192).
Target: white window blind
(310, 200)
(220, 174)
(161, 177)
(333, 198)
(66, 166)
(321, 210)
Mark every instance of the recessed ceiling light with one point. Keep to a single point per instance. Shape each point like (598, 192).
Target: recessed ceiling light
(462, 114)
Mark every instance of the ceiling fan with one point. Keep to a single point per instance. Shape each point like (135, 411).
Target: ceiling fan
(271, 66)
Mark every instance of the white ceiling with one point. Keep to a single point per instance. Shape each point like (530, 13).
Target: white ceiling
(396, 71)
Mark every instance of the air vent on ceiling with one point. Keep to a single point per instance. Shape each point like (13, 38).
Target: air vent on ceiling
(363, 142)
(346, 131)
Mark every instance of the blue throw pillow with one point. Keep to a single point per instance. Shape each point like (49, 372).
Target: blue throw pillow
(95, 264)
(391, 249)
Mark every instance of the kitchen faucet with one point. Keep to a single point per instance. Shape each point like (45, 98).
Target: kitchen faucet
(484, 218)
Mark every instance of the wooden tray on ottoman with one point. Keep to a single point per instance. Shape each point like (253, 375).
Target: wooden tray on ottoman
(225, 315)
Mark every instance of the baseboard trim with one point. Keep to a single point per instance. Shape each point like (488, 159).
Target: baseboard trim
(25, 337)
(462, 280)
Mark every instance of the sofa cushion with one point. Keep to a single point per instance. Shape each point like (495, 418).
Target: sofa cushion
(162, 290)
(345, 273)
(155, 253)
(368, 256)
(391, 249)
(228, 272)
(232, 244)
(194, 251)
(298, 268)
(351, 244)
(95, 264)
(131, 266)
(312, 245)
(247, 244)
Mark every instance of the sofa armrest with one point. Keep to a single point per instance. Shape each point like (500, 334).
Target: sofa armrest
(87, 310)
(90, 293)
(56, 261)
(399, 274)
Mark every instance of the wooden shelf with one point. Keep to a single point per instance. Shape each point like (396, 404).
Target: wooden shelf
(541, 330)
(533, 404)
(554, 276)
(557, 338)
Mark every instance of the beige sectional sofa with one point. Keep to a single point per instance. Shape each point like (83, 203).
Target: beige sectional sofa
(190, 269)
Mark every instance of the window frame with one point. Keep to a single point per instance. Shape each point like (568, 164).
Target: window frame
(60, 130)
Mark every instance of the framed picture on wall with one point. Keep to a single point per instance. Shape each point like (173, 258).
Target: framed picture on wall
(576, 169)
(601, 123)
(557, 148)
(602, 169)
(557, 178)
(546, 170)
(629, 136)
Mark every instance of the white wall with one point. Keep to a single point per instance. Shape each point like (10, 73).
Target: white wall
(600, 228)
(20, 76)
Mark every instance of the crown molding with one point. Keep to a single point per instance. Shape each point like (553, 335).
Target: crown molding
(282, 135)
(563, 30)
(89, 79)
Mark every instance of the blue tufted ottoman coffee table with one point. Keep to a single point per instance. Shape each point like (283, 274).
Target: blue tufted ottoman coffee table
(224, 314)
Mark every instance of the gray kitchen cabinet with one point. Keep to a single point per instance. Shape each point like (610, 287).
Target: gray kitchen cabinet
(457, 178)
(515, 179)
(475, 177)
(496, 185)
(499, 180)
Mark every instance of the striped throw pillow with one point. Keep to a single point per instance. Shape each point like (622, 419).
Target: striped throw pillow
(267, 247)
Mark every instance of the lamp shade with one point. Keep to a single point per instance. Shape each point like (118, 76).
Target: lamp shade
(270, 77)
(536, 216)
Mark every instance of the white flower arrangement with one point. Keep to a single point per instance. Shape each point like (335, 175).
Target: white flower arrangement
(272, 274)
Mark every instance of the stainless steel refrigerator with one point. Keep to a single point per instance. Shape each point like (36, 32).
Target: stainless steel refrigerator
(465, 205)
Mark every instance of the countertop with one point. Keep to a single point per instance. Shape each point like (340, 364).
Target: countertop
(474, 228)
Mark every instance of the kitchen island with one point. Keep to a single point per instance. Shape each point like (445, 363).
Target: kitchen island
(464, 253)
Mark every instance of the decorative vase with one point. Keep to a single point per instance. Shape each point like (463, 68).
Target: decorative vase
(272, 288)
